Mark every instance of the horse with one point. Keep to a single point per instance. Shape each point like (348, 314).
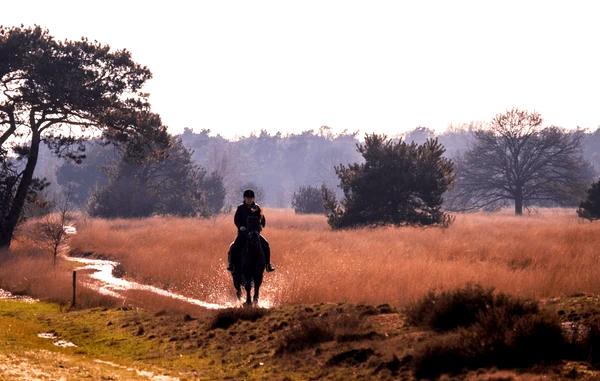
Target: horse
(249, 267)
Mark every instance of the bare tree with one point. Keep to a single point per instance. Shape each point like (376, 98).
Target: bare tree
(518, 160)
(50, 230)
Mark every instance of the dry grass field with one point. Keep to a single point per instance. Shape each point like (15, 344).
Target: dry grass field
(550, 253)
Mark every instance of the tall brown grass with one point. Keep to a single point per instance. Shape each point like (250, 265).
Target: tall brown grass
(29, 270)
(548, 254)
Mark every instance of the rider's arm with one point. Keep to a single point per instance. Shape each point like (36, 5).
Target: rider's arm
(237, 219)
(263, 220)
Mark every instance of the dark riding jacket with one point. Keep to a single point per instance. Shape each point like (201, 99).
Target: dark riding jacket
(249, 216)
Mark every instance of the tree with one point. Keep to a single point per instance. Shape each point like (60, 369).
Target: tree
(50, 229)
(590, 207)
(158, 177)
(54, 92)
(518, 160)
(85, 178)
(419, 135)
(308, 199)
(398, 183)
(215, 192)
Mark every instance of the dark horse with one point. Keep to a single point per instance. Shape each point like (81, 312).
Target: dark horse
(249, 267)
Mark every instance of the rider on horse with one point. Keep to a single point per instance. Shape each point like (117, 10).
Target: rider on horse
(248, 217)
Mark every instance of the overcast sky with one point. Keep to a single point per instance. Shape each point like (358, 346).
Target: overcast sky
(387, 66)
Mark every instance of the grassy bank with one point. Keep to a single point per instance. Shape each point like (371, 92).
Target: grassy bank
(317, 341)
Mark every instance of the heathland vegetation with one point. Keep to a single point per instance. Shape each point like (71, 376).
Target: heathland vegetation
(382, 282)
(369, 265)
(322, 297)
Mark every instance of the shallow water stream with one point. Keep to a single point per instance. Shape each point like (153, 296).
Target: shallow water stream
(102, 280)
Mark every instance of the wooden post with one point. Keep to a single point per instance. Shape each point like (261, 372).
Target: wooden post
(74, 288)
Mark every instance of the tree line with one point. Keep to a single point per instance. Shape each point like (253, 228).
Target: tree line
(81, 102)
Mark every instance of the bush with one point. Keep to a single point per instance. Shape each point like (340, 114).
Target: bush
(448, 353)
(487, 330)
(533, 339)
(461, 307)
(590, 207)
(226, 318)
(509, 343)
(308, 200)
(306, 333)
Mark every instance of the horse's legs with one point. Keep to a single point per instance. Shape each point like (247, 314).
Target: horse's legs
(257, 283)
(248, 287)
(256, 292)
(237, 285)
(238, 292)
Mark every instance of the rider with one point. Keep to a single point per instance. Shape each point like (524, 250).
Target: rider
(245, 215)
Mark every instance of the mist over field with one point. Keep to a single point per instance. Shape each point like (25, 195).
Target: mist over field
(277, 164)
(334, 190)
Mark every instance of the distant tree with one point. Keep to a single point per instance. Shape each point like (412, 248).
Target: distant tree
(84, 178)
(419, 135)
(398, 183)
(591, 149)
(54, 92)
(308, 199)
(158, 177)
(518, 160)
(277, 163)
(590, 207)
(215, 192)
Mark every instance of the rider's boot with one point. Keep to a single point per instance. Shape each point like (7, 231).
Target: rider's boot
(267, 250)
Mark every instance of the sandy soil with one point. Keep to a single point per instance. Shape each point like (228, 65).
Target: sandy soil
(46, 365)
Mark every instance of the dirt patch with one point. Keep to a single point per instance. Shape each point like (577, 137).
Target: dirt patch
(46, 365)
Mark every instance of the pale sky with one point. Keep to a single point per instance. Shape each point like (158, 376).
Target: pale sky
(386, 66)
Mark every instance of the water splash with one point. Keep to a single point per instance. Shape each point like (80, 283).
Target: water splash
(107, 284)
(104, 282)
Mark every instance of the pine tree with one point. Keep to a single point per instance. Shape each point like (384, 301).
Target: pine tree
(398, 183)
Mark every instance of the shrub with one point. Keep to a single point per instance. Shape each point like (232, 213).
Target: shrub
(461, 307)
(502, 331)
(308, 200)
(590, 207)
(522, 342)
(533, 339)
(448, 353)
(229, 316)
(306, 333)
